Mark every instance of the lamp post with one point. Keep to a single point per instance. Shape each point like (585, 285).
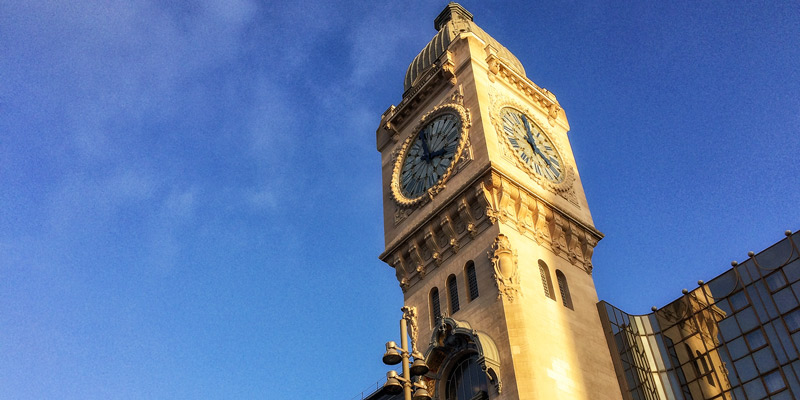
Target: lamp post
(395, 355)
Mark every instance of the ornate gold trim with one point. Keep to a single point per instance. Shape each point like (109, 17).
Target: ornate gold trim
(400, 154)
(498, 103)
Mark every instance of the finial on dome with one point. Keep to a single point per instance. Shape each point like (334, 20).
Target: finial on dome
(451, 11)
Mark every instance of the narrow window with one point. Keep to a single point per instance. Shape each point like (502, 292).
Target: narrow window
(436, 311)
(472, 281)
(564, 288)
(452, 290)
(547, 283)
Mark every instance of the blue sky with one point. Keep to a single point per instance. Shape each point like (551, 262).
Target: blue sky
(190, 203)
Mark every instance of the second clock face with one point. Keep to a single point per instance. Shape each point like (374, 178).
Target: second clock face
(430, 155)
(532, 145)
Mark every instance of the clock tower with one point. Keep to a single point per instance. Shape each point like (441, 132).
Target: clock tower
(487, 226)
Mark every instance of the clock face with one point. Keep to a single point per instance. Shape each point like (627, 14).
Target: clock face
(430, 155)
(532, 145)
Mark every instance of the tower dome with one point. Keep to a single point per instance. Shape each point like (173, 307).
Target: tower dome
(451, 22)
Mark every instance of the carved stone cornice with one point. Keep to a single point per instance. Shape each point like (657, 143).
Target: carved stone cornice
(443, 70)
(449, 228)
(492, 198)
(513, 205)
(498, 69)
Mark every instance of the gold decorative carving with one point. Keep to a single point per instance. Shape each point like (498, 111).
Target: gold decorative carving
(446, 224)
(400, 154)
(463, 209)
(556, 223)
(400, 214)
(506, 273)
(416, 257)
(400, 271)
(430, 238)
(410, 315)
(449, 67)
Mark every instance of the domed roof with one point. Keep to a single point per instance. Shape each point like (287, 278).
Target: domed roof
(453, 20)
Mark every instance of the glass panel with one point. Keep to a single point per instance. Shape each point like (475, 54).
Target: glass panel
(737, 348)
(791, 377)
(745, 368)
(776, 281)
(767, 304)
(729, 328)
(755, 389)
(472, 281)
(776, 255)
(785, 300)
(774, 381)
(658, 357)
(765, 361)
(739, 301)
(466, 380)
(777, 345)
(785, 395)
(756, 339)
(452, 290)
(747, 319)
(724, 284)
(792, 270)
(726, 361)
(724, 305)
(792, 320)
(748, 272)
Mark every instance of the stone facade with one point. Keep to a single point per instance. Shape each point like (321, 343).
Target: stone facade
(494, 209)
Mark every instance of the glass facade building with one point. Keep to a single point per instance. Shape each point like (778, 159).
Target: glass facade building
(735, 337)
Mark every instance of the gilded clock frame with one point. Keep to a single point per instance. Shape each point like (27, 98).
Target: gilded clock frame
(400, 156)
(568, 170)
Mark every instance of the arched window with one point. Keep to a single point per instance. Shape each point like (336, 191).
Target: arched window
(452, 290)
(472, 281)
(436, 311)
(564, 289)
(547, 283)
(467, 381)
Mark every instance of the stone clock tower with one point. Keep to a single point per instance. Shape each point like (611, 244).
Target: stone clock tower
(487, 226)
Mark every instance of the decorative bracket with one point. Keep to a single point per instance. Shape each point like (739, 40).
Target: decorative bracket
(506, 272)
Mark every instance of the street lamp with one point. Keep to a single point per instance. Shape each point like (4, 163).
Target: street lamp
(395, 355)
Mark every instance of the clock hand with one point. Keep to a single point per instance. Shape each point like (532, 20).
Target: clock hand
(427, 155)
(528, 135)
(537, 151)
(438, 153)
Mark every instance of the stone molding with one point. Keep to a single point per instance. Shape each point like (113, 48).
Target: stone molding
(498, 69)
(491, 199)
(513, 205)
(450, 227)
(443, 70)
